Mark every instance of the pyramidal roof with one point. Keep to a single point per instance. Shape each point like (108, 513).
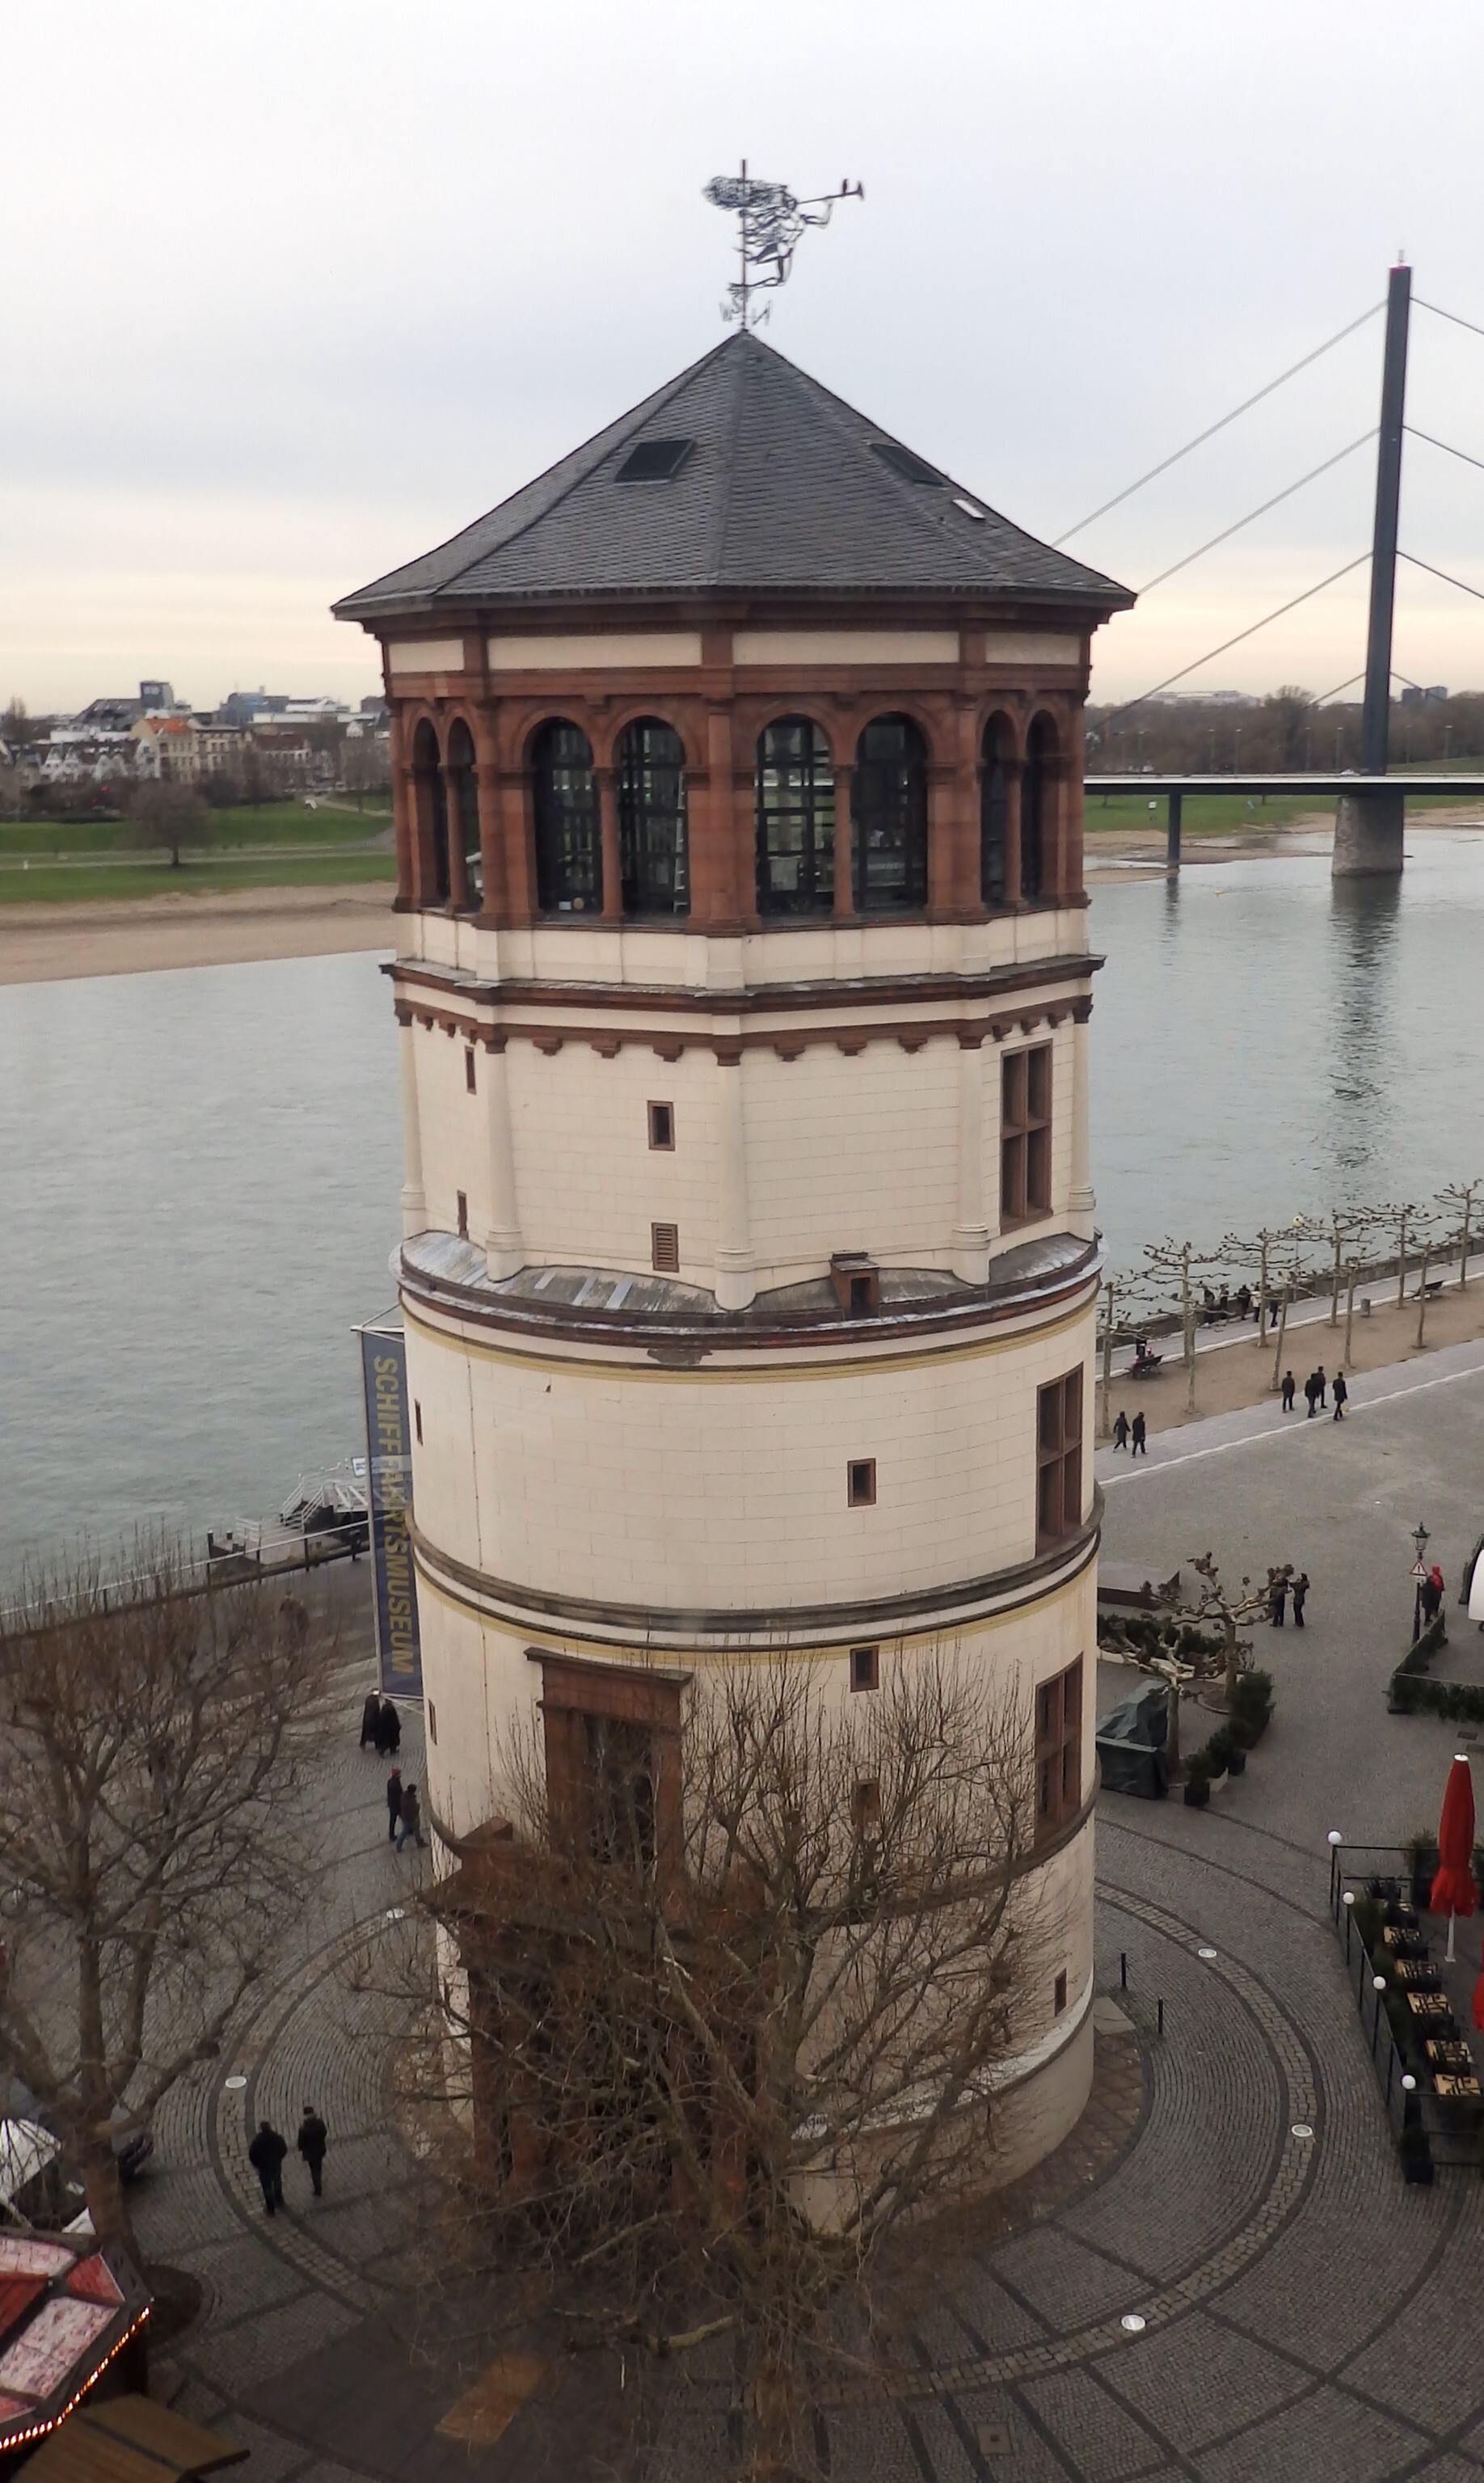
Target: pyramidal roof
(767, 482)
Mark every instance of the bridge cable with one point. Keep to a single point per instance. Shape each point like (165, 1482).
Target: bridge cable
(1210, 431)
(1438, 312)
(1286, 494)
(1212, 653)
(1443, 444)
(1325, 696)
(1461, 584)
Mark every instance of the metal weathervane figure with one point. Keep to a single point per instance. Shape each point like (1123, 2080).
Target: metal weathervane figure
(770, 223)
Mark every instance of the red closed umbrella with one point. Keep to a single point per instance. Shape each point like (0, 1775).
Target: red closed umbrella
(1453, 1890)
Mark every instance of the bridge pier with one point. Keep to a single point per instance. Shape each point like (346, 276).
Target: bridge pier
(1175, 803)
(1369, 826)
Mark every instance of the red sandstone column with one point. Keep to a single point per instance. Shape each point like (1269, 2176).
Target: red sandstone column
(942, 840)
(494, 904)
(845, 842)
(608, 830)
(404, 828)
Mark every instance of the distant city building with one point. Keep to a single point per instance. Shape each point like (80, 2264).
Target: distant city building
(1414, 696)
(1230, 698)
(168, 747)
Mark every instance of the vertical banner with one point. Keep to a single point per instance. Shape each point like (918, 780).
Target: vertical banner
(389, 1498)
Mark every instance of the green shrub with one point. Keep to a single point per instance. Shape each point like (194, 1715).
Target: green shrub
(1414, 1693)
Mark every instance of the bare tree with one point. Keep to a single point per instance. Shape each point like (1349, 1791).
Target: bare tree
(171, 815)
(366, 766)
(148, 1768)
(1457, 1198)
(717, 2050)
(1198, 1639)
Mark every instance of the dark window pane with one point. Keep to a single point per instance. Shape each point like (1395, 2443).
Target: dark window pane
(795, 815)
(1033, 804)
(653, 844)
(569, 852)
(431, 811)
(1038, 1172)
(890, 818)
(993, 820)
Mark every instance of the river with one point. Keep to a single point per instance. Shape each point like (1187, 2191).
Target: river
(203, 1166)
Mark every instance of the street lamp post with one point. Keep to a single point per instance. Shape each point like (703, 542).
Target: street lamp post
(1419, 1578)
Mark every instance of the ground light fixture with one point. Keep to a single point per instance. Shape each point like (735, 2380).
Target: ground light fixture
(1134, 2321)
(236, 2085)
(1333, 1837)
(1208, 1954)
(1409, 2082)
(1378, 1983)
(1301, 2129)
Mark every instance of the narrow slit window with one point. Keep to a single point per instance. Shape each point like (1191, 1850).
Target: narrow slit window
(433, 1724)
(1058, 1460)
(1059, 1756)
(865, 1667)
(468, 1068)
(417, 1419)
(662, 1126)
(860, 1483)
(665, 1249)
(865, 1807)
(464, 1214)
(1059, 1994)
(1026, 1134)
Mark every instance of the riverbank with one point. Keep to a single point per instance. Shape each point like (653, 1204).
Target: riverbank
(1237, 1372)
(1126, 851)
(143, 935)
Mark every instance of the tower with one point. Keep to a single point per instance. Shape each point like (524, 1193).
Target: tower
(749, 1265)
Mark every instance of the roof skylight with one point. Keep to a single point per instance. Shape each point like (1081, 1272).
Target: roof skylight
(654, 461)
(911, 468)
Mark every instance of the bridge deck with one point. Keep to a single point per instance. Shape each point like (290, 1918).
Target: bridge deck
(1156, 783)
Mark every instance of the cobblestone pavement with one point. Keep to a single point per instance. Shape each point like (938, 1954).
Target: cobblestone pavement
(1304, 2313)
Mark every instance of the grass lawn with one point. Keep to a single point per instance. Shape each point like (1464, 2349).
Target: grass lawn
(77, 882)
(334, 820)
(1208, 814)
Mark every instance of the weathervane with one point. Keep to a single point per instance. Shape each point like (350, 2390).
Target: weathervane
(772, 222)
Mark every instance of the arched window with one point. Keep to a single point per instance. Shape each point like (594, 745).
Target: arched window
(795, 800)
(995, 812)
(466, 807)
(650, 767)
(569, 851)
(1035, 791)
(890, 818)
(431, 814)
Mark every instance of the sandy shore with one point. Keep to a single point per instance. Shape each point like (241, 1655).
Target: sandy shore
(43, 944)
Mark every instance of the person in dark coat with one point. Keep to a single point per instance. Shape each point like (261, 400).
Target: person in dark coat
(313, 2141)
(1139, 1436)
(410, 1822)
(1311, 1393)
(266, 2156)
(1244, 1302)
(1278, 1599)
(1341, 1393)
(391, 1730)
(394, 1801)
(1300, 1598)
(1289, 1391)
(1323, 1386)
(371, 1721)
(1121, 1430)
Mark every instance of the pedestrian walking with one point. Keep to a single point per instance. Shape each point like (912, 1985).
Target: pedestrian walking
(266, 2156)
(1277, 1602)
(1323, 1387)
(1289, 1391)
(1139, 1436)
(1244, 1302)
(410, 1822)
(371, 1721)
(1121, 1430)
(313, 2141)
(395, 1798)
(1311, 1393)
(1341, 1394)
(391, 1730)
(1300, 1598)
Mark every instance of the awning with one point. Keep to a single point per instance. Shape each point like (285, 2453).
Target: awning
(130, 2439)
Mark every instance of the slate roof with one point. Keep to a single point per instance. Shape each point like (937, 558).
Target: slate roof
(783, 490)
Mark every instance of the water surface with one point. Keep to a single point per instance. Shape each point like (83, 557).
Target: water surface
(201, 1168)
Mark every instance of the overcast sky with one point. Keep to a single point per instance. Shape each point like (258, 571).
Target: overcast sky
(298, 287)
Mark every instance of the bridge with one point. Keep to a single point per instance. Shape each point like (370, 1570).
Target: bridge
(1348, 787)
(1370, 820)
